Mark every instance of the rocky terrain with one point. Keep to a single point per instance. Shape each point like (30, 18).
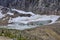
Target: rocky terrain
(50, 32)
(47, 32)
(4, 38)
(43, 32)
(37, 6)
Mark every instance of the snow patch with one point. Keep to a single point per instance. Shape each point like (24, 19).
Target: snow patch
(20, 11)
(10, 13)
(1, 15)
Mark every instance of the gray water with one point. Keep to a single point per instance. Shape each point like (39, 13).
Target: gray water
(26, 26)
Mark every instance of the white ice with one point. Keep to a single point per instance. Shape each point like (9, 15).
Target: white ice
(20, 11)
(10, 13)
(33, 18)
(26, 20)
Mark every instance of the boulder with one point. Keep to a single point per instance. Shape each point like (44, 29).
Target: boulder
(4, 10)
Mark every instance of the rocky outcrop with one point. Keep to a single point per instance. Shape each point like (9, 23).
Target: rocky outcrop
(36, 6)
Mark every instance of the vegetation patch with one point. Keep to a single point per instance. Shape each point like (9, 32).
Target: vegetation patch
(14, 34)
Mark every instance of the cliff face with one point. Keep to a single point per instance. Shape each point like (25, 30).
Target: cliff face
(36, 6)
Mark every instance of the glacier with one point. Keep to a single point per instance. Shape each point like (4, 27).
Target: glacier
(33, 21)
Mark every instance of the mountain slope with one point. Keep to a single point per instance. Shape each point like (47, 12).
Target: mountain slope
(37, 6)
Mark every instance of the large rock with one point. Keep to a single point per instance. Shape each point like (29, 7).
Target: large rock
(4, 10)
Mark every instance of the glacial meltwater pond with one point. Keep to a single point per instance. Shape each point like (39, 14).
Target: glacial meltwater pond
(21, 23)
